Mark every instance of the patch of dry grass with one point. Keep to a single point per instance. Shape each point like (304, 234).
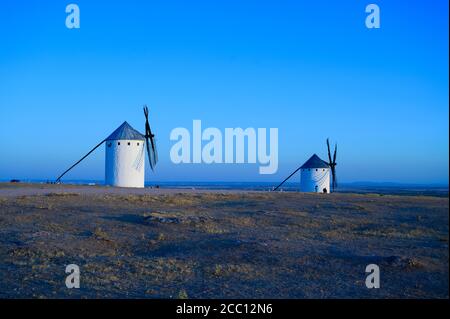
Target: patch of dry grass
(32, 254)
(160, 270)
(241, 270)
(183, 294)
(101, 234)
(211, 227)
(56, 227)
(64, 195)
(399, 232)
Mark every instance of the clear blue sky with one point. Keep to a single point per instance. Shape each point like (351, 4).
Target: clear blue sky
(310, 68)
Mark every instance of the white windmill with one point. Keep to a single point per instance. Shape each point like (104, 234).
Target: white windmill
(315, 174)
(125, 160)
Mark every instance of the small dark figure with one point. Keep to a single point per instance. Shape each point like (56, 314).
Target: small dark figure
(325, 190)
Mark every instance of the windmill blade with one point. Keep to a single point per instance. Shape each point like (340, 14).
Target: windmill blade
(147, 137)
(329, 152)
(334, 155)
(155, 152)
(150, 141)
(153, 156)
(334, 168)
(149, 154)
(333, 177)
(332, 163)
(151, 145)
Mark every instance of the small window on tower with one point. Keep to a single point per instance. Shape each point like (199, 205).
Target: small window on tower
(138, 143)
(118, 143)
(129, 143)
(316, 169)
(323, 169)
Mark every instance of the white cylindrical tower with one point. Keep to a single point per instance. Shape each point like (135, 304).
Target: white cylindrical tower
(315, 176)
(125, 159)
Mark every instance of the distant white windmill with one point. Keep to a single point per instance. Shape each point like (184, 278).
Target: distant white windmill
(125, 160)
(315, 174)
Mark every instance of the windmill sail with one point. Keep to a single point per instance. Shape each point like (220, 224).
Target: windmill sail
(332, 163)
(150, 142)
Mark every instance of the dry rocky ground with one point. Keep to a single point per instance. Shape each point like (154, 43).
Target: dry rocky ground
(174, 244)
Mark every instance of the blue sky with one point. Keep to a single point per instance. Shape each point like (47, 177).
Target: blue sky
(310, 68)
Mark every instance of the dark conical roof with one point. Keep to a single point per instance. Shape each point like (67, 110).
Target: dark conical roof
(125, 132)
(315, 162)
